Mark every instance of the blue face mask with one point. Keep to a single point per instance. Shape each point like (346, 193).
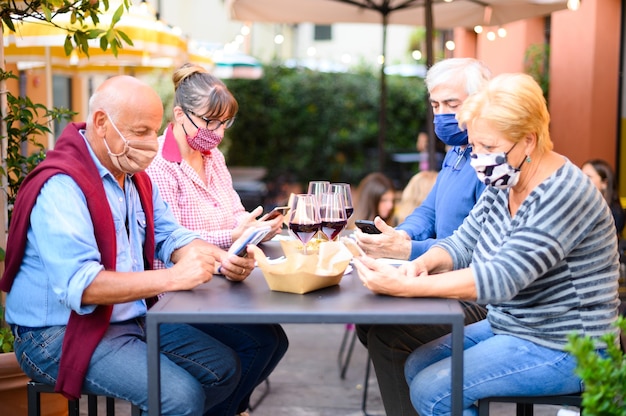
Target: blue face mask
(448, 131)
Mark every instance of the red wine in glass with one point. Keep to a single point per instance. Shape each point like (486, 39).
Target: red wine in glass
(304, 232)
(331, 229)
(304, 222)
(349, 212)
(344, 190)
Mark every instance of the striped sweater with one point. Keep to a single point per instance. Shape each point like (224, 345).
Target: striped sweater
(550, 270)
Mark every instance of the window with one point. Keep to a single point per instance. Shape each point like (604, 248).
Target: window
(322, 32)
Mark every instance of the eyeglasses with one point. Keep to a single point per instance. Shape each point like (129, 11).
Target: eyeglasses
(210, 124)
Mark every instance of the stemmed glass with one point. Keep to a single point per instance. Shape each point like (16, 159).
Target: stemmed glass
(317, 188)
(344, 190)
(304, 222)
(332, 215)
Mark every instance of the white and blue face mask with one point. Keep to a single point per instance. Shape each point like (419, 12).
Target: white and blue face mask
(494, 170)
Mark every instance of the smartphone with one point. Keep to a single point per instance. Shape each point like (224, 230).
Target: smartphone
(274, 213)
(367, 226)
(352, 246)
(250, 236)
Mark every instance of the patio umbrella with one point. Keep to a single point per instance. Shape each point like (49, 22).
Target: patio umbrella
(441, 14)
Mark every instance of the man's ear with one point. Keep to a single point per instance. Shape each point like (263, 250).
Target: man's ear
(100, 119)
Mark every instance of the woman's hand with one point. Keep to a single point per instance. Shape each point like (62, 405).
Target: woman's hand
(383, 278)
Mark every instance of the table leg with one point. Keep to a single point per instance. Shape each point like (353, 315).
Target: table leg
(154, 367)
(457, 366)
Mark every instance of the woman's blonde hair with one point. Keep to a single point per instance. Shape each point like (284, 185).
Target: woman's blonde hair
(514, 104)
(414, 193)
(204, 94)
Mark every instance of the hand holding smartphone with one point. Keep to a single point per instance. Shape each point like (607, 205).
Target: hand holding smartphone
(274, 213)
(367, 226)
(252, 235)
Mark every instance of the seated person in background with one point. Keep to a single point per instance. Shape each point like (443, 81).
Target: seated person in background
(602, 176)
(455, 192)
(86, 227)
(375, 196)
(538, 248)
(192, 176)
(414, 193)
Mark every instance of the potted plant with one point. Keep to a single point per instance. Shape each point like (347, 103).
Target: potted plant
(604, 378)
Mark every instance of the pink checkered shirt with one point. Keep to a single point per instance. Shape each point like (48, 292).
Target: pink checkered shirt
(212, 210)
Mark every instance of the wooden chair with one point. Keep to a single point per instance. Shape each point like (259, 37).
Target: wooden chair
(525, 404)
(34, 390)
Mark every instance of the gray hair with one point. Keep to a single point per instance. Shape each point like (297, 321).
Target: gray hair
(472, 74)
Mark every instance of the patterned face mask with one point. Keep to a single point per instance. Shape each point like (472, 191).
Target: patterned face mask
(204, 140)
(494, 170)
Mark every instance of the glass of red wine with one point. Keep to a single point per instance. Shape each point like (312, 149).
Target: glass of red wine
(332, 215)
(344, 190)
(304, 222)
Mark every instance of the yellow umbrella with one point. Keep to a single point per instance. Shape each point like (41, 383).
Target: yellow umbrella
(41, 43)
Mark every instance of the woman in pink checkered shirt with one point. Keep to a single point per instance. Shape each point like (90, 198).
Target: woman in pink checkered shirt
(193, 179)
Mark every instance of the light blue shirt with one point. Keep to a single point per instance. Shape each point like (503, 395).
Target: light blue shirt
(454, 194)
(62, 258)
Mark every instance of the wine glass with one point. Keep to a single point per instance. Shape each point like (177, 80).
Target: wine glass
(317, 188)
(304, 222)
(332, 215)
(344, 189)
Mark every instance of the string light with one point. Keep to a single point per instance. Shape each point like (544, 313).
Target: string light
(573, 4)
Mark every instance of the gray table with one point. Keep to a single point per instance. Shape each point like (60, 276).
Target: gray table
(251, 301)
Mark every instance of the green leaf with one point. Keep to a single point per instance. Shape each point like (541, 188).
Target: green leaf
(68, 46)
(125, 37)
(117, 15)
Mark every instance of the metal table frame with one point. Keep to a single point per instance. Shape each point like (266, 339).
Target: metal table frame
(251, 301)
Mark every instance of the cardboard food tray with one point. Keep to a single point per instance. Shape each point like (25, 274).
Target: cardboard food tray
(300, 273)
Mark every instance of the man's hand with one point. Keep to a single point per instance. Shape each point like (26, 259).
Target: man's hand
(236, 268)
(194, 266)
(390, 243)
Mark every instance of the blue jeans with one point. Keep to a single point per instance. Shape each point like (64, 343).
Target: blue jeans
(197, 371)
(259, 349)
(493, 365)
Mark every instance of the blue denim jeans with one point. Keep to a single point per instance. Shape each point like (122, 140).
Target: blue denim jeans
(197, 371)
(493, 365)
(259, 348)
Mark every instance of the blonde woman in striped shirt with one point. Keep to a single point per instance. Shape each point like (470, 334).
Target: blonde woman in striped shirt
(539, 249)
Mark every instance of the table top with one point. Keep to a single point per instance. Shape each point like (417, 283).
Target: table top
(252, 301)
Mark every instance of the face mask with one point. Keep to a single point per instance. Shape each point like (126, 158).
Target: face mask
(204, 140)
(493, 169)
(136, 156)
(448, 131)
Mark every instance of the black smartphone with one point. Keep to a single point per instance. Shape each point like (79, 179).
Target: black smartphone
(367, 226)
(274, 213)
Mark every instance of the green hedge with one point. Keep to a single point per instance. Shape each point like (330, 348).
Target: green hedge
(319, 125)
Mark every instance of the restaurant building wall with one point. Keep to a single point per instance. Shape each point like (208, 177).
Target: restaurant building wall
(585, 76)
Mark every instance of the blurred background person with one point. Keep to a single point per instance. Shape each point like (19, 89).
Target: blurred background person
(603, 177)
(414, 193)
(375, 196)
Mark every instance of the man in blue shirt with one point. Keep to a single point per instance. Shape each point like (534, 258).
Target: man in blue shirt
(455, 192)
(87, 225)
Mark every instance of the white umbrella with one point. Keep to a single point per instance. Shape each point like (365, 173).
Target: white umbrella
(441, 14)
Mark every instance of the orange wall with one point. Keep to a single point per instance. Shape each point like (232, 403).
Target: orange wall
(584, 75)
(584, 84)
